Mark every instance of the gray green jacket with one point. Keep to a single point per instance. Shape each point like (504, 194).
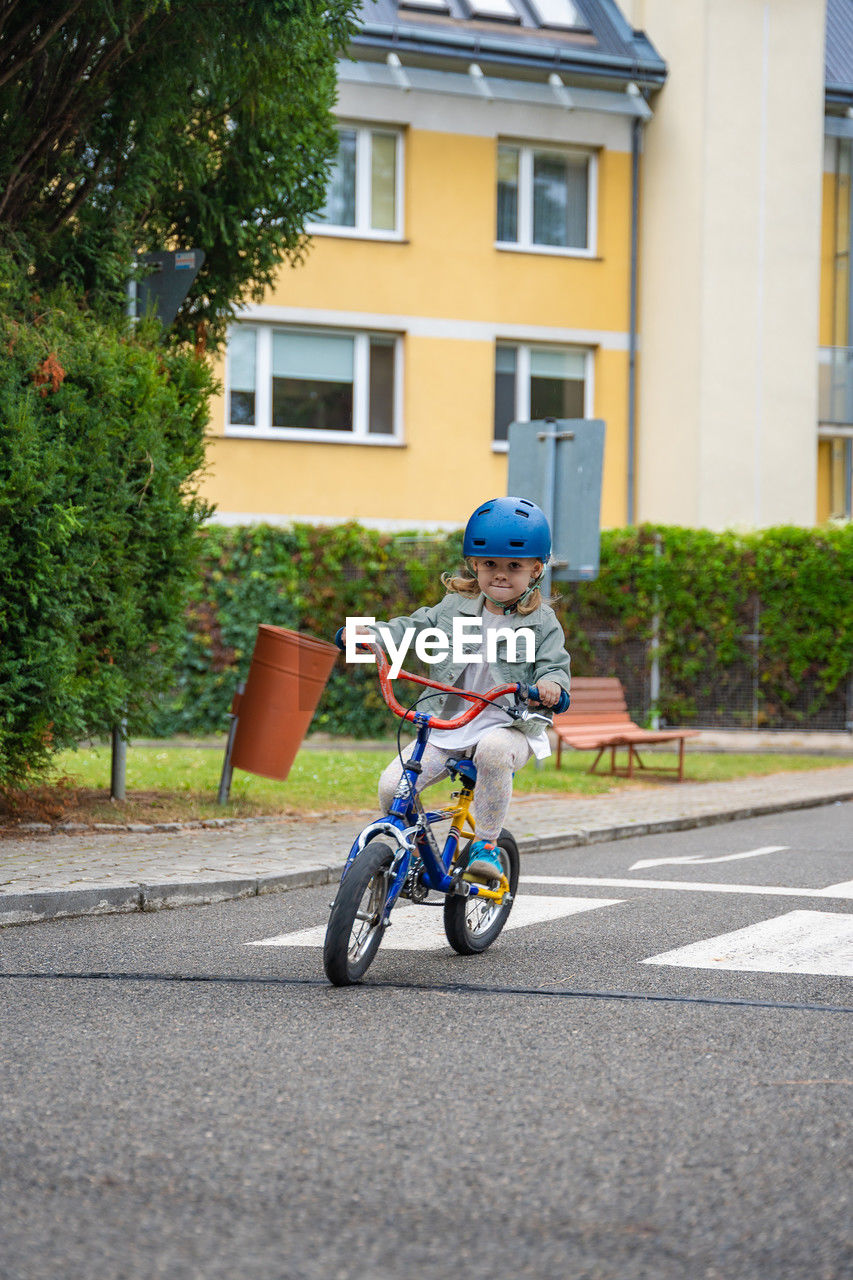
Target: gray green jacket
(552, 662)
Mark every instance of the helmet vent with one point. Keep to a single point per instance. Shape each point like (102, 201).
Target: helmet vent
(516, 543)
(519, 512)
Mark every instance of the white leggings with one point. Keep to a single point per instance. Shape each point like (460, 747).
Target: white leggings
(498, 755)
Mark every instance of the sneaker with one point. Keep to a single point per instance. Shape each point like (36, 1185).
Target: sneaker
(484, 862)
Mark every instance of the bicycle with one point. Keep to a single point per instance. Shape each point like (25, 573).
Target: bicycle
(409, 862)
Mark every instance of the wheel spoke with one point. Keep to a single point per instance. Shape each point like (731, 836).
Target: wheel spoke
(369, 915)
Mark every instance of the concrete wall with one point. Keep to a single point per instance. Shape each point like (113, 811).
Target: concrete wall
(730, 263)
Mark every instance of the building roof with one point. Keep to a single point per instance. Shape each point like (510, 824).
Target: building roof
(583, 40)
(838, 62)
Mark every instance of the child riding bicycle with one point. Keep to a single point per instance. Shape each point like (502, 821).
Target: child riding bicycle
(507, 544)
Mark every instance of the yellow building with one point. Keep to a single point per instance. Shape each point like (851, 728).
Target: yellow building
(537, 211)
(473, 266)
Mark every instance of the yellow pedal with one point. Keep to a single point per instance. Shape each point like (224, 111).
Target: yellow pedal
(496, 895)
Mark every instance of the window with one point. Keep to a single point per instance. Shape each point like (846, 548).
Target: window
(494, 9)
(364, 193)
(538, 382)
(304, 384)
(241, 359)
(545, 198)
(557, 13)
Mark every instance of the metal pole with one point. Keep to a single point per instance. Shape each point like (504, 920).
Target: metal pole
(225, 780)
(756, 663)
(118, 771)
(118, 767)
(654, 670)
(550, 439)
(549, 499)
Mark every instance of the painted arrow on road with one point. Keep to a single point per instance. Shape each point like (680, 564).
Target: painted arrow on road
(690, 858)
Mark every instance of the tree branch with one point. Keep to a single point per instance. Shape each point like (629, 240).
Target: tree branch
(15, 66)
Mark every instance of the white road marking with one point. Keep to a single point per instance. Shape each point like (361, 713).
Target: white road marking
(421, 929)
(818, 942)
(844, 890)
(644, 863)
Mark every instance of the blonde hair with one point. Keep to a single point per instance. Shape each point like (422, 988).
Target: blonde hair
(466, 584)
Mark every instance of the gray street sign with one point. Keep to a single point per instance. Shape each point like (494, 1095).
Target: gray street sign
(557, 463)
(167, 282)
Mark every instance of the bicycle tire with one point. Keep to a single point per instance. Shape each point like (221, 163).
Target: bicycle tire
(472, 924)
(348, 951)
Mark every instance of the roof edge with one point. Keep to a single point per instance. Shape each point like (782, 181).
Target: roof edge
(398, 37)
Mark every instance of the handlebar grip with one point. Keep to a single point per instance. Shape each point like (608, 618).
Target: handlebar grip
(562, 705)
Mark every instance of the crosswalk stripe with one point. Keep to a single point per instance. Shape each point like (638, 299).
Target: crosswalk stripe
(421, 929)
(813, 942)
(844, 890)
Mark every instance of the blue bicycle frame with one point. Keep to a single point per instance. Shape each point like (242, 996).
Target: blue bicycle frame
(408, 824)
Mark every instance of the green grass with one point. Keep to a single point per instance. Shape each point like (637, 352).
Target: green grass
(169, 782)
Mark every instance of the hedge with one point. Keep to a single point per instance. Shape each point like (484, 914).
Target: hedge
(708, 590)
(101, 437)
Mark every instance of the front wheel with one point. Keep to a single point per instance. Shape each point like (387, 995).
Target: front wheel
(355, 926)
(473, 923)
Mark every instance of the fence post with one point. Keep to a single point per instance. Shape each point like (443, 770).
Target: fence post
(654, 667)
(756, 637)
(118, 765)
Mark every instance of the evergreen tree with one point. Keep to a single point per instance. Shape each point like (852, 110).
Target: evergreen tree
(132, 125)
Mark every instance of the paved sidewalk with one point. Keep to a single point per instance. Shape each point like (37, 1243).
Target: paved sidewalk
(46, 875)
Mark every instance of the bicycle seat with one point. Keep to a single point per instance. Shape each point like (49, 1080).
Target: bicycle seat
(462, 767)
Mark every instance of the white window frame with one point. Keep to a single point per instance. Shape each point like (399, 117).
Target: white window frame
(363, 168)
(524, 243)
(360, 434)
(522, 379)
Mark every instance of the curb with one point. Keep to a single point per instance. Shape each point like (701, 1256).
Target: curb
(38, 905)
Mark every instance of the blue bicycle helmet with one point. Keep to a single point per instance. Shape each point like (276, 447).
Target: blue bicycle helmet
(509, 528)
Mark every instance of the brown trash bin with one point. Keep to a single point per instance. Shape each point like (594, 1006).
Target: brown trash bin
(288, 673)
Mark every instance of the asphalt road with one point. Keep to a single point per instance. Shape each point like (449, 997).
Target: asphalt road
(185, 1104)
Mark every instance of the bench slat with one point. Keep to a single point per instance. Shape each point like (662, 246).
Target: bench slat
(599, 718)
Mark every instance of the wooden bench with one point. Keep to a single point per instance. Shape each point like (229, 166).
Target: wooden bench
(598, 718)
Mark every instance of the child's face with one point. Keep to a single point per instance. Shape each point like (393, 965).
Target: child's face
(505, 580)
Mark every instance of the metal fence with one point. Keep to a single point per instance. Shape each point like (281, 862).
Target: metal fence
(751, 690)
(746, 693)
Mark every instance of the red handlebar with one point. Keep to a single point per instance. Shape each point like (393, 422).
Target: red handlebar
(465, 717)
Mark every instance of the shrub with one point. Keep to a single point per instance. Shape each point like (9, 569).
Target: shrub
(102, 436)
(710, 590)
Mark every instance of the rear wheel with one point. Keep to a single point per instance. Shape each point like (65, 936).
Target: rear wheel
(355, 926)
(472, 924)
